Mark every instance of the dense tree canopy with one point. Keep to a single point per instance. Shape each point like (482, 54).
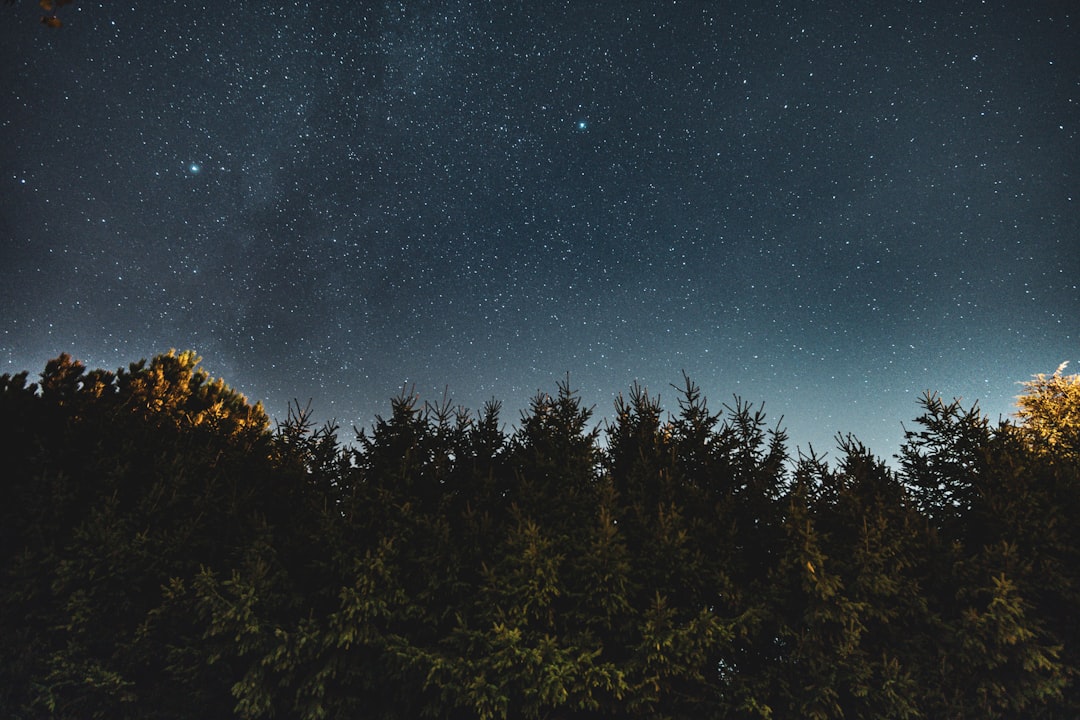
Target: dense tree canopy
(166, 554)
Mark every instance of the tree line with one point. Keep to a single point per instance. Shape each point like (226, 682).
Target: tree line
(166, 553)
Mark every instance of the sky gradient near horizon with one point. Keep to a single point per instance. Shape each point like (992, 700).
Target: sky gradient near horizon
(829, 210)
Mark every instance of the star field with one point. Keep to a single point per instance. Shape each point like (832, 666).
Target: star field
(828, 209)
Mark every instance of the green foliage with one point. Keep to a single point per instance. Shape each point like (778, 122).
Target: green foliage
(117, 484)
(165, 554)
(1049, 412)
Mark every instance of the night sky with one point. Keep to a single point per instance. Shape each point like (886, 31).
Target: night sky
(826, 207)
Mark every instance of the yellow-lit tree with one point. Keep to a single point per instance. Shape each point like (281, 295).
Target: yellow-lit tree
(1049, 411)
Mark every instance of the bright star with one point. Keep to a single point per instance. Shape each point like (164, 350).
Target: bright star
(582, 124)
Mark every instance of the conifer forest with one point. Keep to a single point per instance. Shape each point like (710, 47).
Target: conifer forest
(168, 552)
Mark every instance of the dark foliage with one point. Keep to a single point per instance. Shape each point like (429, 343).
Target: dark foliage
(164, 553)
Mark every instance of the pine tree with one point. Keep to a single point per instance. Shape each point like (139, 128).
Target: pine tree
(881, 550)
(981, 490)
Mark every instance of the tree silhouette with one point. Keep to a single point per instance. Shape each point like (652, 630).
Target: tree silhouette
(164, 553)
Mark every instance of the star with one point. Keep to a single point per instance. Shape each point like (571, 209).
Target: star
(699, 225)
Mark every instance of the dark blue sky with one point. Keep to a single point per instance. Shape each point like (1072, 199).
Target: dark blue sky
(828, 209)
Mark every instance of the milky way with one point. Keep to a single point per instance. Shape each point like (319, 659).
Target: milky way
(828, 211)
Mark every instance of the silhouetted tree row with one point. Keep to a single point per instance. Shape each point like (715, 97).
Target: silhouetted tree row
(164, 553)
